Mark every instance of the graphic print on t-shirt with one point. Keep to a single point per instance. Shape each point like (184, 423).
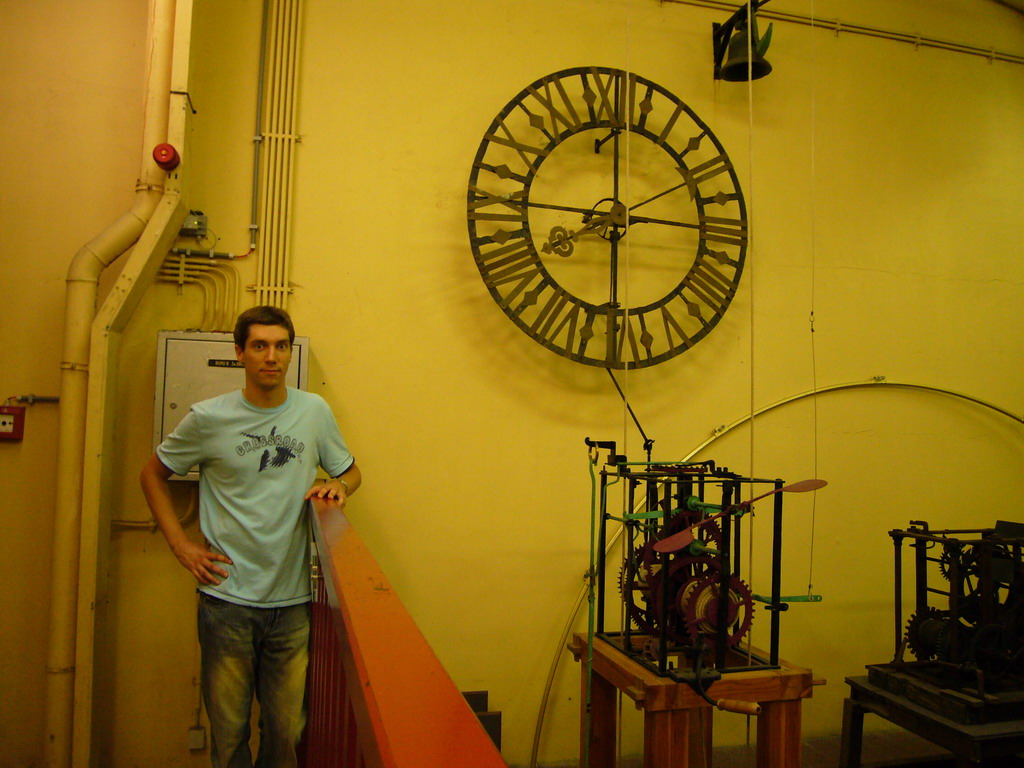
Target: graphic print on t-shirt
(285, 448)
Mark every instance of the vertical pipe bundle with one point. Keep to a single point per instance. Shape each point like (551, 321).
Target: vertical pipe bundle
(278, 155)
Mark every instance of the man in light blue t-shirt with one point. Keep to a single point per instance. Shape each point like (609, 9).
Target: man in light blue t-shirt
(258, 450)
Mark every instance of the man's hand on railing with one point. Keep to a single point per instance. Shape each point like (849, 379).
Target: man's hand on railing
(339, 488)
(331, 490)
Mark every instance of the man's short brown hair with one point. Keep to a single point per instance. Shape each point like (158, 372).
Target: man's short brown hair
(264, 315)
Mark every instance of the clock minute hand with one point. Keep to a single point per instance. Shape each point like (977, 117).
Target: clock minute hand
(660, 194)
(691, 179)
(667, 222)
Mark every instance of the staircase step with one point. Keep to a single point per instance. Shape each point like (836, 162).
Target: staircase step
(491, 721)
(477, 700)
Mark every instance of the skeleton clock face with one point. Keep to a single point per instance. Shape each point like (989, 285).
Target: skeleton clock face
(606, 218)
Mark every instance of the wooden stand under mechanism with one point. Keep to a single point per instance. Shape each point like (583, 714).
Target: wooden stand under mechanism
(677, 720)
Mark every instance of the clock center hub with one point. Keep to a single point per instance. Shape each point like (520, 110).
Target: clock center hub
(616, 218)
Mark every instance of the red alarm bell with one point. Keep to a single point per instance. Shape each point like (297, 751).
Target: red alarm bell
(166, 156)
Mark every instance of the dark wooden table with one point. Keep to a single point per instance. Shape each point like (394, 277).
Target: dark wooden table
(971, 745)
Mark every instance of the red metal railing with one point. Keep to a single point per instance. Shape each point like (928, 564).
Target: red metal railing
(378, 696)
(331, 732)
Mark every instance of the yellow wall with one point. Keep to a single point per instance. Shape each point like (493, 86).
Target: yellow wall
(72, 83)
(884, 184)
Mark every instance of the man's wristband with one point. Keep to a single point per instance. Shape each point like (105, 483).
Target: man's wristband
(347, 489)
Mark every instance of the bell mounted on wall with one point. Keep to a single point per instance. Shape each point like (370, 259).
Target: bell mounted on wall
(739, 49)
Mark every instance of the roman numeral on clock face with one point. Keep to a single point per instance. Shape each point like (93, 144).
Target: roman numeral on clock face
(604, 96)
(508, 263)
(721, 229)
(498, 206)
(503, 136)
(559, 108)
(710, 286)
(704, 172)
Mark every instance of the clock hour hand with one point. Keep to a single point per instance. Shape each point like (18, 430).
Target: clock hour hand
(560, 240)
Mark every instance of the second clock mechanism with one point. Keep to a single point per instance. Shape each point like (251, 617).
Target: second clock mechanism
(606, 219)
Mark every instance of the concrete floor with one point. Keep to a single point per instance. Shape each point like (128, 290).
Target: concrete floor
(879, 750)
(886, 749)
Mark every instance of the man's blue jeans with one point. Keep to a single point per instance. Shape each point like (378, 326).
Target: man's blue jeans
(253, 650)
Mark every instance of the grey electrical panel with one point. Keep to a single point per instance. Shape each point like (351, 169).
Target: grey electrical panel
(196, 365)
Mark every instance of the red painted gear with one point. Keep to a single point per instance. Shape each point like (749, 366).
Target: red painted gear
(682, 572)
(700, 605)
(636, 593)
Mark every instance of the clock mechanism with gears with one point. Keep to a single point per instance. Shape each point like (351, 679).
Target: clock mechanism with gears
(967, 621)
(681, 603)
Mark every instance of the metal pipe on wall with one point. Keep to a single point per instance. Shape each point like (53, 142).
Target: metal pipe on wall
(221, 308)
(290, 70)
(836, 26)
(257, 139)
(100, 462)
(194, 278)
(80, 305)
(278, 137)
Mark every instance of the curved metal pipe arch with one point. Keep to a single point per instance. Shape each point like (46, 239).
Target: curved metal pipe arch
(878, 381)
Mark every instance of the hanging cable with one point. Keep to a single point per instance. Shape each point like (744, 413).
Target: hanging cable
(648, 442)
(752, 262)
(591, 592)
(814, 253)
(626, 301)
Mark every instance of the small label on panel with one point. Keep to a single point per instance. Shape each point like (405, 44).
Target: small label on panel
(225, 363)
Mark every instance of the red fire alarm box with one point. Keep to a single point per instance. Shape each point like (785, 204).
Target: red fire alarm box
(12, 422)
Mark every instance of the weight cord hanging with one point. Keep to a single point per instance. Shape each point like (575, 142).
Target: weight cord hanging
(751, 262)
(814, 261)
(591, 598)
(628, 409)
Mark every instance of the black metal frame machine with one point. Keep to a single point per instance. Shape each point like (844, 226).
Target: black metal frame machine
(681, 585)
(967, 626)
